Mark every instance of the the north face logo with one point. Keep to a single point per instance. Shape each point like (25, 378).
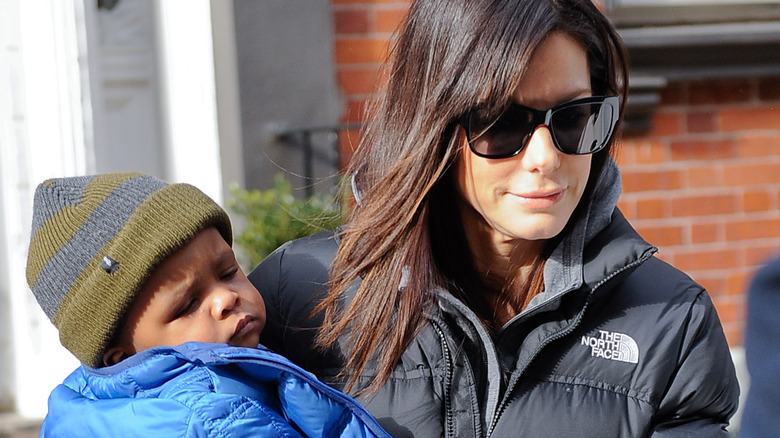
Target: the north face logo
(612, 346)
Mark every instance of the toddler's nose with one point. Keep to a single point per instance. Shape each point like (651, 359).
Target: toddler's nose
(223, 301)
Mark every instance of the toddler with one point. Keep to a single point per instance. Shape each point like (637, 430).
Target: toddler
(139, 277)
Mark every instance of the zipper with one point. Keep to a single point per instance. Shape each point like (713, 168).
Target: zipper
(445, 350)
(489, 359)
(559, 335)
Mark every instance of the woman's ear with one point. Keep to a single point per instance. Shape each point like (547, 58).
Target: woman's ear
(115, 354)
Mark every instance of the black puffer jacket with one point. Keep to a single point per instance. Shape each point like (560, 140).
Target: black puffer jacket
(620, 344)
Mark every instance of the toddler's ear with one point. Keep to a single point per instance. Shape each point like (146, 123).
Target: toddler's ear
(115, 354)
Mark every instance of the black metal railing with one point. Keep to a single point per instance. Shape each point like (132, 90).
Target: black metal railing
(302, 138)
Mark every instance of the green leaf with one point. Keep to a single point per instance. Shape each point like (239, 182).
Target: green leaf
(275, 216)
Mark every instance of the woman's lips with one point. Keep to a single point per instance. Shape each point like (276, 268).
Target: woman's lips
(539, 200)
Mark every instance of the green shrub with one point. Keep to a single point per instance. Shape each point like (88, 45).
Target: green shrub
(274, 216)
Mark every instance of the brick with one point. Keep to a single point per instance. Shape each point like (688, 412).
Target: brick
(744, 174)
(731, 313)
(627, 207)
(638, 181)
(743, 119)
(701, 122)
(690, 260)
(756, 254)
(628, 136)
(752, 229)
(721, 91)
(707, 174)
(362, 80)
(737, 282)
(665, 254)
(666, 123)
(649, 152)
(730, 308)
(687, 206)
(759, 145)
(623, 154)
(706, 233)
(697, 150)
(714, 283)
(662, 236)
(351, 21)
(758, 200)
(652, 209)
(361, 50)
(388, 20)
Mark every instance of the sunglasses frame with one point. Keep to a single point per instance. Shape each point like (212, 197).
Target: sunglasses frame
(543, 117)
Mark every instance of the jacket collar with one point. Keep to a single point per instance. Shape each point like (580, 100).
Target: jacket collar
(571, 264)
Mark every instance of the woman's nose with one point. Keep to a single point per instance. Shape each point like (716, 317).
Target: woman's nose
(540, 154)
(223, 301)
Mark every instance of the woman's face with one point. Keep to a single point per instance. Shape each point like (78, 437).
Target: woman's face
(530, 196)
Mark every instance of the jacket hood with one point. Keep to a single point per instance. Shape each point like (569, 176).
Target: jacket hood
(564, 269)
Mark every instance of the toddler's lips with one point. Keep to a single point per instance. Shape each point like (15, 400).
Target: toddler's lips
(246, 326)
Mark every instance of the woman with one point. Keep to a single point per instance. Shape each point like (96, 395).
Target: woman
(486, 284)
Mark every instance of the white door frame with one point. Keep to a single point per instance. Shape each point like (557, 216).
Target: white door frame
(52, 108)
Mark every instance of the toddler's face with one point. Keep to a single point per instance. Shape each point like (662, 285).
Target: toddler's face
(199, 293)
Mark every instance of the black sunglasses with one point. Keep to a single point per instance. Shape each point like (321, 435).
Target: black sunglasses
(578, 127)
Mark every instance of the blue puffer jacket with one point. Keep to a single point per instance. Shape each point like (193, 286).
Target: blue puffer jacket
(203, 390)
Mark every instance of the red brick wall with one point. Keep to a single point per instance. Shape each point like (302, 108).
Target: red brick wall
(703, 185)
(363, 29)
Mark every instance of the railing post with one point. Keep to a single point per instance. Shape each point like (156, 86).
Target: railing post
(308, 163)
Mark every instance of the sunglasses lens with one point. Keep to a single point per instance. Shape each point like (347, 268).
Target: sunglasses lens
(583, 128)
(580, 127)
(501, 137)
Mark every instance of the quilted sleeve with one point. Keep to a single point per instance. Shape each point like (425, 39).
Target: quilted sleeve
(319, 414)
(703, 393)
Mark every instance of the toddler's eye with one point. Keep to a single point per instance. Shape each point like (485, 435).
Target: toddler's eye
(188, 307)
(229, 274)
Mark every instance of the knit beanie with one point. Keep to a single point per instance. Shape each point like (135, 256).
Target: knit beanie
(96, 239)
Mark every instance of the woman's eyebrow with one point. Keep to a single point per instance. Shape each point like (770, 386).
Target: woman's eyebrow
(569, 96)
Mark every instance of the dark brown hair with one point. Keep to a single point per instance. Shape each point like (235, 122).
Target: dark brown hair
(404, 238)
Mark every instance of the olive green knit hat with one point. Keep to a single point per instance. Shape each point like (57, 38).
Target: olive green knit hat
(96, 239)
